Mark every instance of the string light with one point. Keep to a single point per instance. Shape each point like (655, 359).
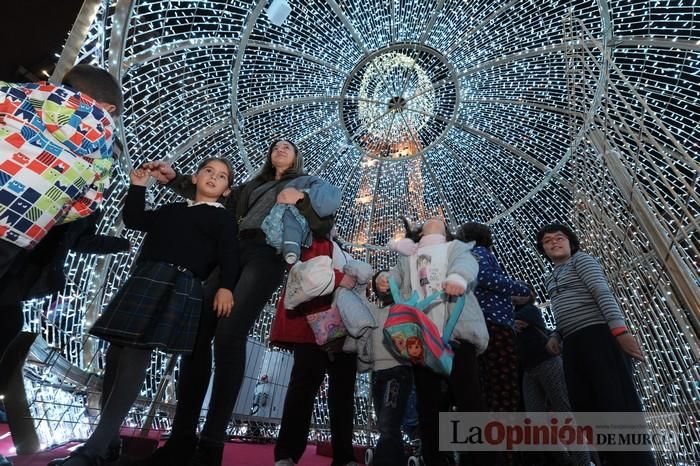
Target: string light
(490, 95)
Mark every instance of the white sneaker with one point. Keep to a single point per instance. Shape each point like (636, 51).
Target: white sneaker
(291, 258)
(284, 462)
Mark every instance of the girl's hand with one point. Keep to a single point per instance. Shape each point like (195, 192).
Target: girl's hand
(348, 281)
(223, 302)
(382, 283)
(630, 346)
(289, 196)
(162, 171)
(453, 289)
(139, 177)
(553, 346)
(520, 325)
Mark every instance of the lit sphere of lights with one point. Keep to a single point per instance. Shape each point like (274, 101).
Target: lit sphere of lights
(513, 114)
(398, 101)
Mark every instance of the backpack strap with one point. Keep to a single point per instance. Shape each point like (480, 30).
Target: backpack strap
(454, 317)
(396, 294)
(425, 302)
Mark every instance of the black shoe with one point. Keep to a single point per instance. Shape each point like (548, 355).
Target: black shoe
(4, 461)
(177, 451)
(209, 453)
(88, 457)
(114, 451)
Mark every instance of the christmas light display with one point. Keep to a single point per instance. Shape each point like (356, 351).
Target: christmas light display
(513, 113)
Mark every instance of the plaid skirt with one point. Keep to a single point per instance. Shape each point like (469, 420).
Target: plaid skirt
(159, 306)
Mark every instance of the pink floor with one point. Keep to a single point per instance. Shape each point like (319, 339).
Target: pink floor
(235, 454)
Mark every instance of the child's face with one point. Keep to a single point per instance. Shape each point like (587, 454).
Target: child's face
(556, 245)
(212, 179)
(434, 226)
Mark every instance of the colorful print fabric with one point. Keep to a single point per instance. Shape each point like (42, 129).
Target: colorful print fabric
(55, 158)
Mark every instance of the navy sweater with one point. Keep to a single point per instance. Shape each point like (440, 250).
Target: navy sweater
(199, 237)
(530, 342)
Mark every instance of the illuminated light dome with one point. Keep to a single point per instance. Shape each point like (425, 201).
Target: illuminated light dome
(398, 101)
(510, 113)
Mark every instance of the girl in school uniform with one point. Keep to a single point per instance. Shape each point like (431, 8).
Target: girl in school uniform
(159, 306)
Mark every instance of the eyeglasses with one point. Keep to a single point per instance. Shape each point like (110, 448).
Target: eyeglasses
(554, 239)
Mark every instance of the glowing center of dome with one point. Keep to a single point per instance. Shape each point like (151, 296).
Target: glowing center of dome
(398, 101)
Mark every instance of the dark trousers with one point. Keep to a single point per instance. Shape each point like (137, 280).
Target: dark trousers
(310, 366)
(390, 391)
(599, 378)
(436, 393)
(9, 253)
(15, 282)
(262, 270)
(12, 321)
(544, 388)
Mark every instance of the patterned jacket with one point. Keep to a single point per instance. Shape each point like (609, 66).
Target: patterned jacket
(55, 158)
(495, 288)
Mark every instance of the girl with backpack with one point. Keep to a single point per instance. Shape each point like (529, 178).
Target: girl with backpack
(453, 269)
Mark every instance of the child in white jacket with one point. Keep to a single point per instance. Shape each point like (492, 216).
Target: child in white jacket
(450, 267)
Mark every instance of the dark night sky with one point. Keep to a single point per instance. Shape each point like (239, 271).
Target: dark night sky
(32, 32)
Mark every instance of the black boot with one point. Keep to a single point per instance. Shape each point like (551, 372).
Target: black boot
(113, 453)
(209, 453)
(177, 451)
(86, 457)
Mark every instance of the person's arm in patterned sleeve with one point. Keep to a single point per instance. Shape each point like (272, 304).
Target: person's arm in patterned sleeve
(492, 277)
(89, 202)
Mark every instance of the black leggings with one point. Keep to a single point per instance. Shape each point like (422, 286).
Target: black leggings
(125, 371)
(262, 270)
(311, 364)
(436, 393)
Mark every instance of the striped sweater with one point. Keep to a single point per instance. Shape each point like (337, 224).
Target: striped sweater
(581, 297)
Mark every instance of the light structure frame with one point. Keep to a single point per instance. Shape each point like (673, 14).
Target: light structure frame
(582, 112)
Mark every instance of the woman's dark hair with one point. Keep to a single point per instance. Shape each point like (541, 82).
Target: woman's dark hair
(477, 232)
(96, 83)
(226, 162)
(411, 230)
(267, 172)
(558, 227)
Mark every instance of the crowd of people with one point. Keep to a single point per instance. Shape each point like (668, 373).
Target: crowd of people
(208, 265)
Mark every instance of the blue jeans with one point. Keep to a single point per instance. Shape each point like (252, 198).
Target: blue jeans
(390, 391)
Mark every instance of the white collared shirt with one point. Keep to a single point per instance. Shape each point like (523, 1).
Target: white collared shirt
(191, 203)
